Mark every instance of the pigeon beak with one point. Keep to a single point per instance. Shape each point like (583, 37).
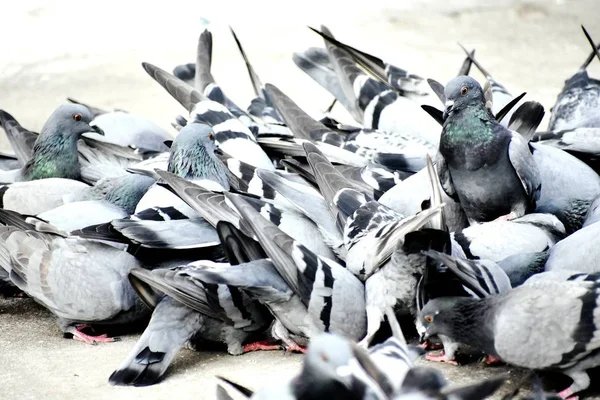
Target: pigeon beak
(97, 129)
(423, 337)
(448, 104)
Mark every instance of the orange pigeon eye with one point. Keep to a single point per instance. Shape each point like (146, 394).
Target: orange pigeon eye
(211, 136)
(77, 117)
(429, 318)
(464, 90)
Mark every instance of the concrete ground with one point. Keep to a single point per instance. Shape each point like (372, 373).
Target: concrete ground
(92, 52)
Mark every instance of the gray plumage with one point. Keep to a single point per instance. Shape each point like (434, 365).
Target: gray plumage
(218, 314)
(125, 129)
(487, 167)
(568, 186)
(577, 104)
(496, 240)
(79, 281)
(578, 252)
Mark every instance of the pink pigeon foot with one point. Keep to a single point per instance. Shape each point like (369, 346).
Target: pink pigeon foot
(295, 348)
(567, 394)
(491, 360)
(440, 358)
(80, 336)
(258, 346)
(427, 345)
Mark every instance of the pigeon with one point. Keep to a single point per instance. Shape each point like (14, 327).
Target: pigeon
(514, 326)
(321, 377)
(487, 167)
(55, 150)
(497, 240)
(454, 276)
(218, 313)
(577, 104)
(192, 157)
(569, 186)
(80, 281)
(232, 136)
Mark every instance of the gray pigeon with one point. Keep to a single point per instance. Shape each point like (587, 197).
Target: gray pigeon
(321, 377)
(218, 313)
(489, 168)
(192, 157)
(543, 325)
(232, 136)
(55, 150)
(577, 104)
(82, 282)
(497, 240)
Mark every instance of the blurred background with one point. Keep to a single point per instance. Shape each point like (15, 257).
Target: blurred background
(92, 51)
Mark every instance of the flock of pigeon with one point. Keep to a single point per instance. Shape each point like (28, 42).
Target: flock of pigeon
(267, 229)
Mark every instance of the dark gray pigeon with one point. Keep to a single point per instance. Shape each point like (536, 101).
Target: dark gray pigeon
(547, 324)
(55, 150)
(487, 167)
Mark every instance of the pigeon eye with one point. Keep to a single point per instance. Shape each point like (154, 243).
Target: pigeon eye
(77, 117)
(464, 90)
(324, 357)
(429, 318)
(211, 136)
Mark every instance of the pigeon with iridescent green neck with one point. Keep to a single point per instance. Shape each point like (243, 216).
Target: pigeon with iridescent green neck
(487, 167)
(55, 152)
(192, 157)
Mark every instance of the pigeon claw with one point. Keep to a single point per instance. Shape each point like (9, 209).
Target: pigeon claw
(428, 345)
(567, 394)
(80, 336)
(491, 360)
(295, 348)
(440, 358)
(258, 346)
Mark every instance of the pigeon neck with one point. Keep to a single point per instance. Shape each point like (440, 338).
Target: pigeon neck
(55, 156)
(468, 125)
(473, 325)
(197, 163)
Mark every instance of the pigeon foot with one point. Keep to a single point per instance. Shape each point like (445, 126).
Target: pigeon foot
(427, 345)
(491, 360)
(258, 346)
(567, 394)
(80, 336)
(440, 358)
(295, 348)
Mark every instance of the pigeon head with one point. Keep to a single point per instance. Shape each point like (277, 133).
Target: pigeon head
(324, 357)
(460, 92)
(442, 315)
(193, 155)
(70, 120)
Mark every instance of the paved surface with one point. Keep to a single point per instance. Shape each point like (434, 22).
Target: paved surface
(55, 49)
